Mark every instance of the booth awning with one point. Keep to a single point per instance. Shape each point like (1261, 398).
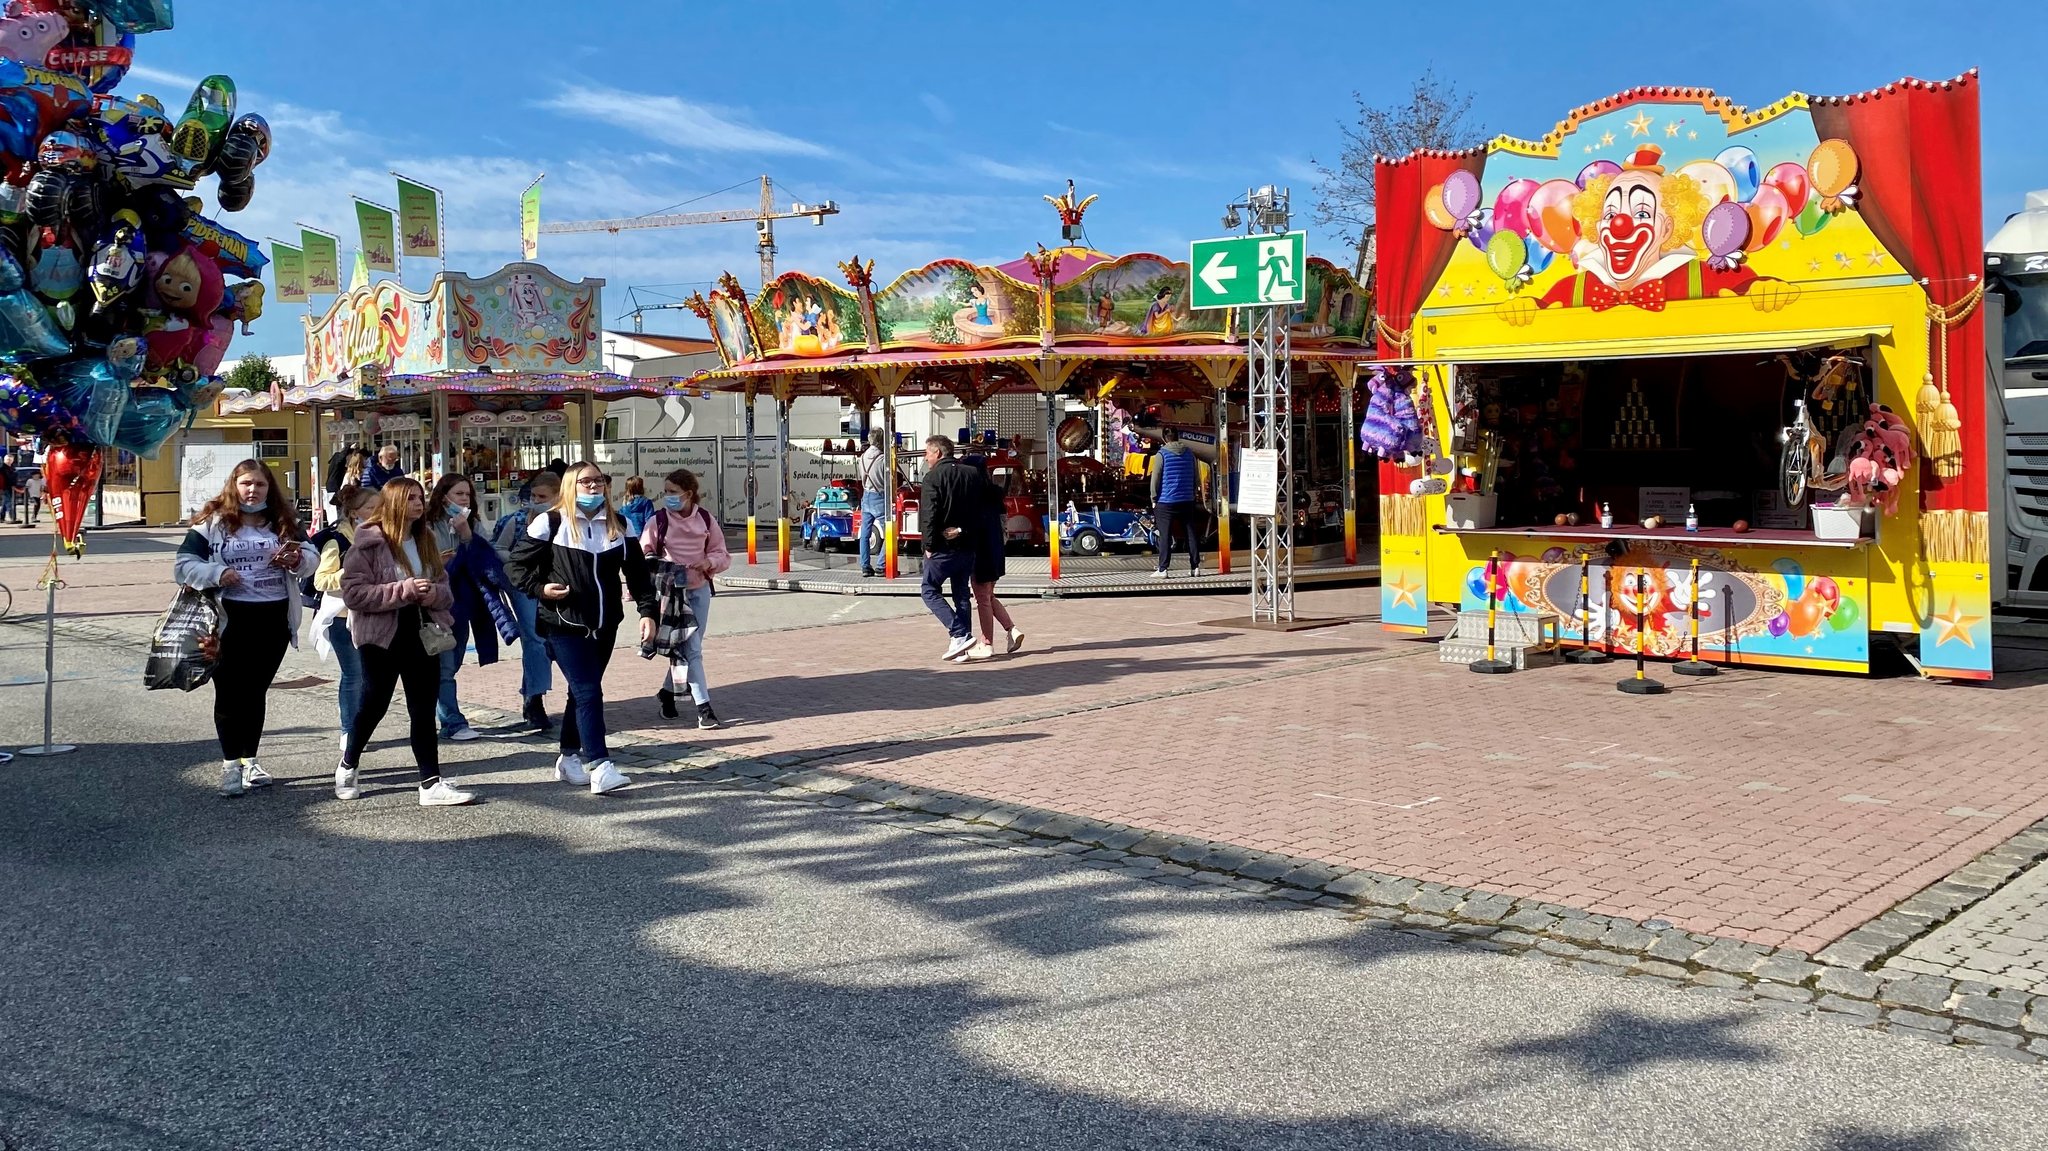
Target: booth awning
(1796, 340)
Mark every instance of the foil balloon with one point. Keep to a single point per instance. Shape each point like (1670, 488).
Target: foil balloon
(136, 15)
(33, 108)
(204, 124)
(28, 408)
(28, 38)
(94, 391)
(25, 327)
(1550, 215)
(1741, 164)
(71, 473)
(100, 55)
(150, 418)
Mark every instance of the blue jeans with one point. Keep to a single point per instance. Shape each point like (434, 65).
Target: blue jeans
(957, 569)
(350, 661)
(693, 650)
(583, 659)
(446, 709)
(536, 665)
(874, 510)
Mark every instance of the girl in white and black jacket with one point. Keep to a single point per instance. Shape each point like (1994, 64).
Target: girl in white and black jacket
(573, 560)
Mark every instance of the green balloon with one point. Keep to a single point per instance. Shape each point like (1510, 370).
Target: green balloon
(1847, 613)
(1811, 218)
(1506, 253)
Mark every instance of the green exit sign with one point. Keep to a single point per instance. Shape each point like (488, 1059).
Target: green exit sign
(1247, 271)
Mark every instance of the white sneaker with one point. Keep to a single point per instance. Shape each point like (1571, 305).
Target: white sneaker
(605, 777)
(462, 734)
(253, 774)
(442, 794)
(977, 653)
(1158, 573)
(959, 647)
(569, 769)
(1016, 641)
(231, 778)
(345, 782)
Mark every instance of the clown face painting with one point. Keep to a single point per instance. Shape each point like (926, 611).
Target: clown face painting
(1637, 236)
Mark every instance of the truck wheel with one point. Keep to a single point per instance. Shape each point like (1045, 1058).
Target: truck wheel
(1086, 542)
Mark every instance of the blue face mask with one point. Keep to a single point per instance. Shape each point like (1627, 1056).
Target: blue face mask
(672, 503)
(589, 502)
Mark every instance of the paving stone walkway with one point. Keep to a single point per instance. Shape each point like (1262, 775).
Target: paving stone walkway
(2002, 941)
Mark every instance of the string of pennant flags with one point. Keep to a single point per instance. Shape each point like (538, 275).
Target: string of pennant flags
(385, 235)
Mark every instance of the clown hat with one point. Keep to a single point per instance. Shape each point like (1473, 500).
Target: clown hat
(1645, 159)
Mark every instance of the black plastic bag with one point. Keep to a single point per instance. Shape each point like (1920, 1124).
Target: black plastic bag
(677, 623)
(185, 643)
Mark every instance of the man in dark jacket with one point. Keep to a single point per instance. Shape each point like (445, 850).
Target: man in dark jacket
(384, 468)
(1176, 502)
(947, 513)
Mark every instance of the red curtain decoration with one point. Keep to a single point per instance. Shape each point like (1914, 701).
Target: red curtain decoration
(1921, 193)
(1411, 254)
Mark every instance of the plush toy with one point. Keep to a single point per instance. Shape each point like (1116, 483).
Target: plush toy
(1879, 458)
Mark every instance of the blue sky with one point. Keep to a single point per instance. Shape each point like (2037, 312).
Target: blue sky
(937, 126)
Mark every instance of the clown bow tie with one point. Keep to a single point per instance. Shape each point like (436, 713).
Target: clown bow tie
(1648, 296)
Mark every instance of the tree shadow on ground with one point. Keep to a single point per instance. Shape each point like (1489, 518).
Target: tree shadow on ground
(1860, 1139)
(1617, 1043)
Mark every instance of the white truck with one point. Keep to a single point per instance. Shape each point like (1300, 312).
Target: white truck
(2016, 361)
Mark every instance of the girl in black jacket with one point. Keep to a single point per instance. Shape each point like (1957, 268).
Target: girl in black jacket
(572, 561)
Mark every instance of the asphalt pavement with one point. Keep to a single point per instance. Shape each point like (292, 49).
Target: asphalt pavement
(694, 965)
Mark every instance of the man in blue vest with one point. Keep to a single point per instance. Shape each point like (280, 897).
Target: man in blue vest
(1176, 502)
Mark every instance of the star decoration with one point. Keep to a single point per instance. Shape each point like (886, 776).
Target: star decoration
(1589, 149)
(1876, 257)
(1445, 290)
(1842, 260)
(1490, 289)
(1955, 625)
(1606, 139)
(1470, 290)
(1692, 133)
(1404, 590)
(1671, 129)
(1813, 265)
(1640, 126)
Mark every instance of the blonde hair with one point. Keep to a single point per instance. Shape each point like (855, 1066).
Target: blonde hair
(565, 503)
(391, 517)
(1679, 196)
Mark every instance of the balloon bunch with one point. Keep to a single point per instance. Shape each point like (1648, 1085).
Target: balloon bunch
(1810, 603)
(1530, 223)
(115, 312)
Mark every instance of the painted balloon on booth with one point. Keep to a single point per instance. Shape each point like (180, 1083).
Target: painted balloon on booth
(1549, 213)
(1511, 207)
(1741, 165)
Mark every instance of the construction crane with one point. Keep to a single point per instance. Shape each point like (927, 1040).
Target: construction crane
(763, 217)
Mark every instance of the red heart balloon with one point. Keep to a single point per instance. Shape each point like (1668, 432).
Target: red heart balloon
(71, 473)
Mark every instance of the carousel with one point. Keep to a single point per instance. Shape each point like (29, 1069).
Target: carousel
(1103, 353)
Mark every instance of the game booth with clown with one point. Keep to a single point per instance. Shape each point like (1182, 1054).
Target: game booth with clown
(1680, 357)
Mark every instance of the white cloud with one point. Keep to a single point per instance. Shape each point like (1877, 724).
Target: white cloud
(145, 74)
(1014, 173)
(940, 110)
(676, 122)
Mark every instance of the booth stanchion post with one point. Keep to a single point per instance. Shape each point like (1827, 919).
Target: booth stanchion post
(50, 585)
(1695, 665)
(1586, 652)
(1492, 665)
(1640, 684)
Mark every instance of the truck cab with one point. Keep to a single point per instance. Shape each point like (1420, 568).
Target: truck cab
(2016, 346)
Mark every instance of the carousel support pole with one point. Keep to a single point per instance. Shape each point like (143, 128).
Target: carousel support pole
(1222, 481)
(753, 518)
(1052, 482)
(1695, 665)
(782, 481)
(1585, 652)
(1640, 684)
(589, 444)
(889, 520)
(1347, 384)
(1492, 664)
(50, 585)
(319, 517)
(437, 441)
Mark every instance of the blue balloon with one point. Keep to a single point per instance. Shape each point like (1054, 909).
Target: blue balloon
(26, 329)
(1538, 258)
(94, 391)
(1482, 230)
(149, 419)
(1741, 164)
(1795, 576)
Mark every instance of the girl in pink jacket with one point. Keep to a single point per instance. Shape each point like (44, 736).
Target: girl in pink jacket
(686, 542)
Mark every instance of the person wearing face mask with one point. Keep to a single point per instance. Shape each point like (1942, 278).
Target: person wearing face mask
(331, 639)
(536, 662)
(394, 584)
(475, 576)
(573, 559)
(246, 542)
(688, 549)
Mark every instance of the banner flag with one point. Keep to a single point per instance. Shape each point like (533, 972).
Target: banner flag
(419, 218)
(529, 220)
(289, 271)
(323, 262)
(378, 228)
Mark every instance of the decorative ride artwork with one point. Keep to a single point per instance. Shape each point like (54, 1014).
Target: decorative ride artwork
(526, 319)
(381, 325)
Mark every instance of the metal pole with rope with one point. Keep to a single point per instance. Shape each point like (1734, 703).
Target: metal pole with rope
(50, 583)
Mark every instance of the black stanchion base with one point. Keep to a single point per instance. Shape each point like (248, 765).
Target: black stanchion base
(1695, 667)
(1587, 655)
(1490, 667)
(1634, 686)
